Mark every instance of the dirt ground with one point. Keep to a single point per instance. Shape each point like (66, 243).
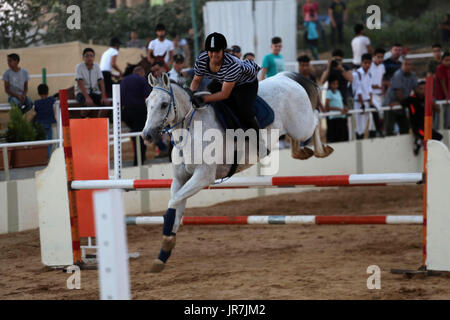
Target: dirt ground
(255, 262)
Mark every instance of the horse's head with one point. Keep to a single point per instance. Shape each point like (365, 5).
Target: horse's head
(161, 108)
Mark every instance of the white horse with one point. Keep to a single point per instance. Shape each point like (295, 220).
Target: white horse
(293, 100)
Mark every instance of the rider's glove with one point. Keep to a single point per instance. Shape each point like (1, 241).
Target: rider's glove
(197, 101)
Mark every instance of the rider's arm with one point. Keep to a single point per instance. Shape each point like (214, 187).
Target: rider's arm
(196, 82)
(263, 73)
(114, 64)
(227, 87)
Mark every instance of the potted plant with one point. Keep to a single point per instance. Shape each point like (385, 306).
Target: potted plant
(22, 130)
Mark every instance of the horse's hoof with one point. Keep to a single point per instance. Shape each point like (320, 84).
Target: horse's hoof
(302, 154)
(327, 150)
(157, 266)
(168, 243)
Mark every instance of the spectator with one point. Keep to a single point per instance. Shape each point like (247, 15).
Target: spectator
(134, 89)
(109, 62)
(377, 71)
(432, 66)
(402, 83)
(273, 62)
(393, 63)
(338, 14)
(443, 86)
(16, 84)
(236, 51)
(336, 69)
(336, 125)
(416, 106)
(437, 57)
(161, 49)
(445, 28)
(312, 38)
(44, 113)
(310, 12)
(304, 68)
(190, 43)
(177, 74)
(249, 56)
(360, 45)
(134, 42)
(180, 45)
(89, 83)
(158, 68)
(362, 93)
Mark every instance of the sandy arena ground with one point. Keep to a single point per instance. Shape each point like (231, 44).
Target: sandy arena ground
(255, 262)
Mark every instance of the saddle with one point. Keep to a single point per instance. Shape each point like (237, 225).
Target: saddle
(228, 120)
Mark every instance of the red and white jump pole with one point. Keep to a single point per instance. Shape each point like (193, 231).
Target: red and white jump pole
(262, 182)
(277, 220)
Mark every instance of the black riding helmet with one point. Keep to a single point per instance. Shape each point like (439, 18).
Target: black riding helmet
(215, 42)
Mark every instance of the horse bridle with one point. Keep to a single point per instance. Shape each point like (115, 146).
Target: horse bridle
(166, 117)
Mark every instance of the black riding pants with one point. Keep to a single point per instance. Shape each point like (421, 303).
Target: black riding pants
(241, 101)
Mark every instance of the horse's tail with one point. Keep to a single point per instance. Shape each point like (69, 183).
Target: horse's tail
(312, 89)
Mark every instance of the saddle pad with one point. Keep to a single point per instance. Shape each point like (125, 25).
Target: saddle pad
(228, 120)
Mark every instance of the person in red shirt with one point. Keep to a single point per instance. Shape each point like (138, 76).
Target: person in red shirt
(442, 81)
(310, 10)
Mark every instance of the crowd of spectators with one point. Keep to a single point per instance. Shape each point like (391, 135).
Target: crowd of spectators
(375, 78)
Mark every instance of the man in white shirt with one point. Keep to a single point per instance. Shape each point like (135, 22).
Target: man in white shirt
(360, 45)
(362, 93)
(176, 74)
(109, 62)
(161, 48)
(377, 70)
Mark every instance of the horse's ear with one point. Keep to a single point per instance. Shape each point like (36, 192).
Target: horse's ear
(151, 80)
(166, 80)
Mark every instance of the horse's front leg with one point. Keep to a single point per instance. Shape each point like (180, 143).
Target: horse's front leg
(202, 177)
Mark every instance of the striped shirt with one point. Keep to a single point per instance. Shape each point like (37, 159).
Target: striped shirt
(232, 69)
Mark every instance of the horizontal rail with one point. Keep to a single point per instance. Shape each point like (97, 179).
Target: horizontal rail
(301, 219)
(28, 143)
(261, 182)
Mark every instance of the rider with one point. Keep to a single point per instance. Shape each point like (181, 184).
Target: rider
(233, 81)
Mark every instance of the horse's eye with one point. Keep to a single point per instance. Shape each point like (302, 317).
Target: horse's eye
(164, 105)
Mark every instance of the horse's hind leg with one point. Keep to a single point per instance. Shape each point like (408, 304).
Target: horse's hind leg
(298, 152)
(320, 150)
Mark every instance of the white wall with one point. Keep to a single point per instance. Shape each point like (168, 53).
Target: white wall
(253, 31)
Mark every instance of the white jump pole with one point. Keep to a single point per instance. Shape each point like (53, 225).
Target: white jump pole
(117, 132)
(112, 251)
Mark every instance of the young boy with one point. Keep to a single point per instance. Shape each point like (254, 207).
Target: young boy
(437, 57)
(360, 45)
(177, 74)
(416, 105)
(312, 38)
(362, 94)
(273, 62)
(44, 112)
(337, 125)
(89, 83)
(161, 49)
(377, 71)
(16, 83)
